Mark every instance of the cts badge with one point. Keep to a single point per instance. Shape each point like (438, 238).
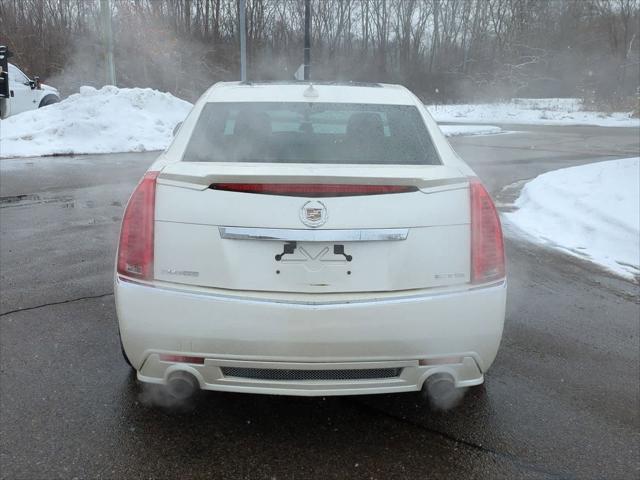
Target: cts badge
(313, 214)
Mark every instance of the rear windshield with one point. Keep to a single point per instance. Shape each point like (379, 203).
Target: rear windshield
(311, 133)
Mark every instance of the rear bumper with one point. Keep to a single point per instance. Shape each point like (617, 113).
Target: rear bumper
(452, 331)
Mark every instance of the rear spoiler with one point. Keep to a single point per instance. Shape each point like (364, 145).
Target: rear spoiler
(201, 176)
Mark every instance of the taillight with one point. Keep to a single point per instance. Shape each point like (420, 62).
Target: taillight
(135, 252)
(312, 189)
(487, 245)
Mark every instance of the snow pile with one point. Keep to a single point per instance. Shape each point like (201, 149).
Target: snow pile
(591, 211)
(457, 130)
(531, 111)
(555, 104)
(95, 121)
(115, 119)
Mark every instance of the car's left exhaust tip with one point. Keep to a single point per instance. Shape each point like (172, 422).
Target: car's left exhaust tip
(441, 391)
(182, 385)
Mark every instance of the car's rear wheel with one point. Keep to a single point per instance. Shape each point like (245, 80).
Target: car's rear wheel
(48, 100)
(124, 354)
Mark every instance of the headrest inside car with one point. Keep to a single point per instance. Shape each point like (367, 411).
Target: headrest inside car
(365, 124)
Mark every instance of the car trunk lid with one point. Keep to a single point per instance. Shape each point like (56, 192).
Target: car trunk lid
(359, 243)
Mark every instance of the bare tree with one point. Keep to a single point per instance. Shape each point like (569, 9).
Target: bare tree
(464, 49)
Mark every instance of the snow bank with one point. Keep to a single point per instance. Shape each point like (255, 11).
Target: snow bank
(95, 121)
(555, 104)
(115, 119)
(531, 111)
(591, 211)
(457, 130)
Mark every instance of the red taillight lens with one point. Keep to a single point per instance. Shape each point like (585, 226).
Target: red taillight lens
(312, 189)
(135, 252)
(487, 245)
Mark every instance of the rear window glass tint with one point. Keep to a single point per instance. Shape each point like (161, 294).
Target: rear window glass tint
(311, 133)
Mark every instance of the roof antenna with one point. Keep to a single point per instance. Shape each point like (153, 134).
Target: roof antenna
(310, 92)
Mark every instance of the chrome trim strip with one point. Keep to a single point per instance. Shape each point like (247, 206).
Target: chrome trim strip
(384, 300)
(292, 235)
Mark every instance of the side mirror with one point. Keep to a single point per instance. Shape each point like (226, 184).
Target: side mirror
(176, 128)
(34, 84)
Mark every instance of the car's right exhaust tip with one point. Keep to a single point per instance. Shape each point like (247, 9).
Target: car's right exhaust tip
(182, 385)
(440, 389)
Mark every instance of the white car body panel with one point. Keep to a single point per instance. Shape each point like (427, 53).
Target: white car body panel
(234, 92)
(376, 266)
(403, 301)
(188, 240)
(331, 331)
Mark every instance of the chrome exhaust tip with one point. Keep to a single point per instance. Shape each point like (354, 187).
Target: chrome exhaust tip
(440, 389)
(182, 385)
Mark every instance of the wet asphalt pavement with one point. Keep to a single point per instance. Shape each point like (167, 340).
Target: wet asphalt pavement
(561, 400)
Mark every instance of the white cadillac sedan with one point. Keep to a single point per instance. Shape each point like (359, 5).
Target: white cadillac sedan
(304, 239)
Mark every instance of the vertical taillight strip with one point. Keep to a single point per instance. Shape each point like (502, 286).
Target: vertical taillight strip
(135, 251)
(487, 244)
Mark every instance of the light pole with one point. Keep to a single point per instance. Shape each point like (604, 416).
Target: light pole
(307, 39)
(107, 38)
(243, 42)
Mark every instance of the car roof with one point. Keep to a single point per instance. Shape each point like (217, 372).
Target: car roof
(323, 92)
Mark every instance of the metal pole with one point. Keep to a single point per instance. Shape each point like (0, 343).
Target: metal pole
(107, 37)
(243, 42)
(307, 39)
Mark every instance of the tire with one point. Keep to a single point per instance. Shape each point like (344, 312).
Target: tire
(48, 100)
(124, 354)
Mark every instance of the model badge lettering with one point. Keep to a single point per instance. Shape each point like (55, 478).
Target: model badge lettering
(184, 273)
(449, 275)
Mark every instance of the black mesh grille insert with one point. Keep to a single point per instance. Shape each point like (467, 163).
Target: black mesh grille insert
(286, 374)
